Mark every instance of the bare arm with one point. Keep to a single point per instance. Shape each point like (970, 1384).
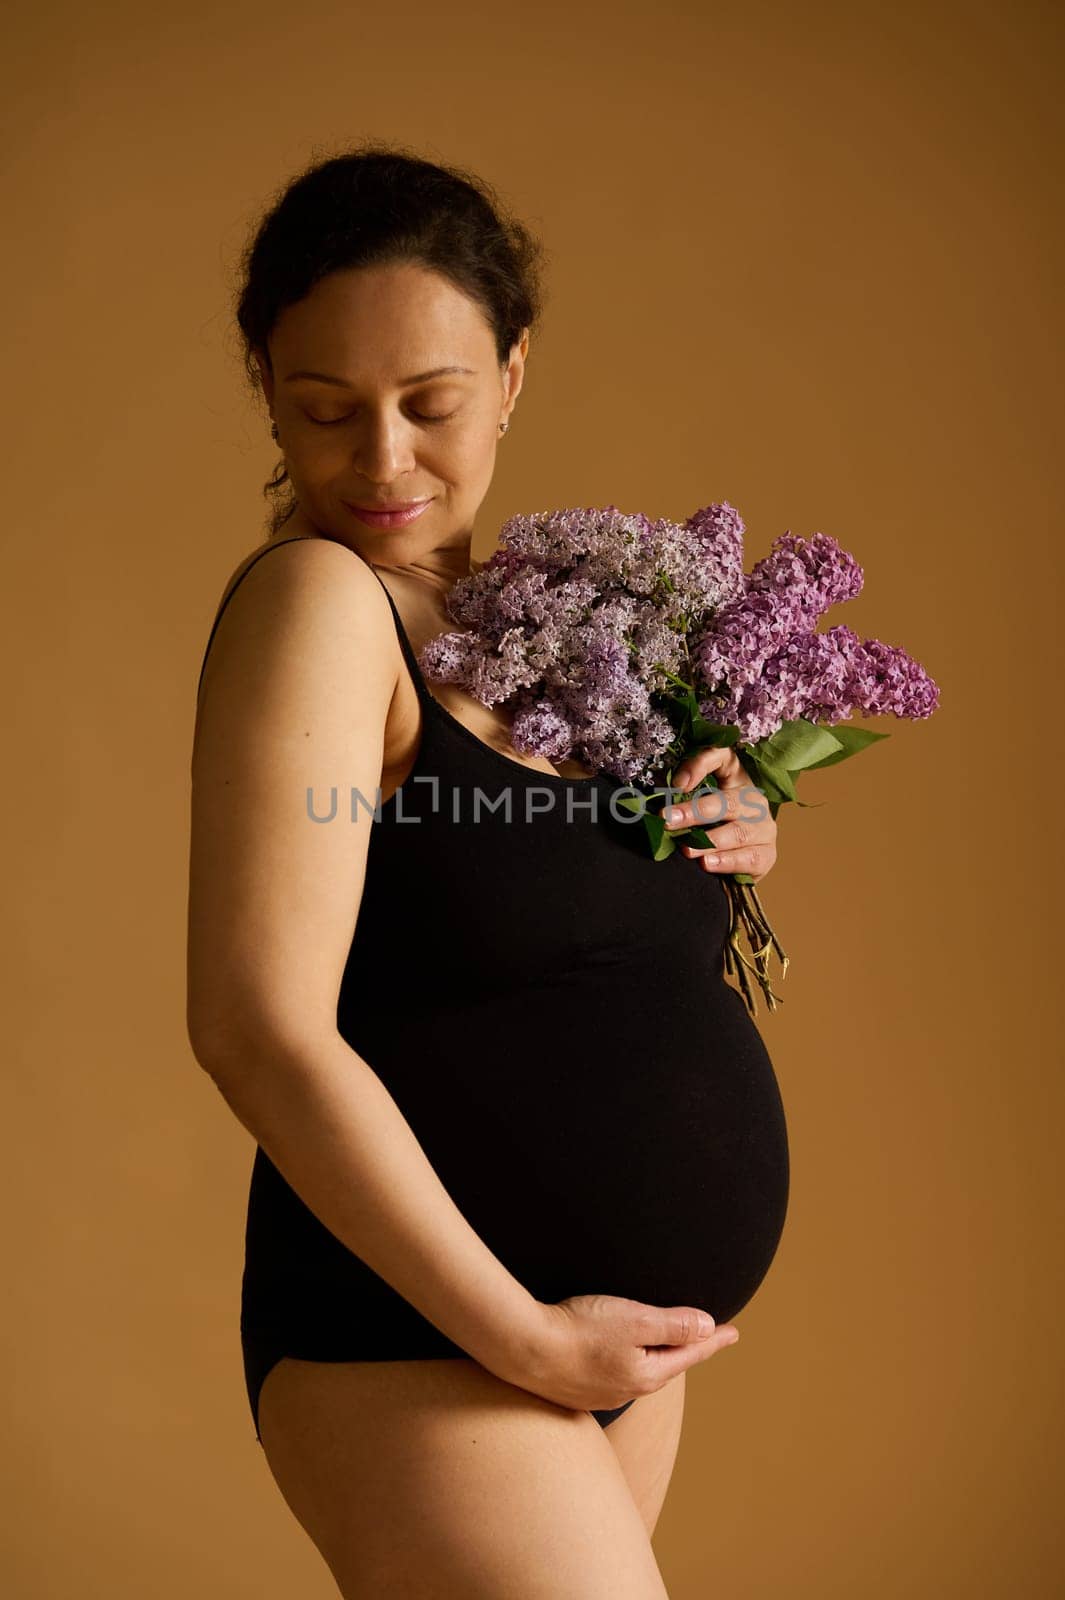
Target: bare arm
(296, 695)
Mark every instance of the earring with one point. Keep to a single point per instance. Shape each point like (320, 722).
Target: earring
(503, 426)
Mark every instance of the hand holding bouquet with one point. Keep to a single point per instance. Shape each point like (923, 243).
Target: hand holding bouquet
(629, 644)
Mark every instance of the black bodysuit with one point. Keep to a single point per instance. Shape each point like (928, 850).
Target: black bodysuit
(591, 1092)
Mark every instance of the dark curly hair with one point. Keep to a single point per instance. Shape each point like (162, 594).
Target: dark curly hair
(372, 204)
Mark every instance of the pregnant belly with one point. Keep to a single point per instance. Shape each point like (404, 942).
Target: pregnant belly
(636, 1146)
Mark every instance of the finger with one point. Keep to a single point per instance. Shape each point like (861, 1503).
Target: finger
(730, 838)
(674, 1325)
(720, 845)
(669, 1362)
(707, 808)
(753, 858)
(721, 760)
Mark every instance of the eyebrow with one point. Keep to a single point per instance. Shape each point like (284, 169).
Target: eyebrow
(342, 383)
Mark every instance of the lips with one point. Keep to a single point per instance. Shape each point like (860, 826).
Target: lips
(389, 516)
(397, 505)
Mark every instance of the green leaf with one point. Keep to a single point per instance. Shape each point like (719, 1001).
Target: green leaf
(799, 744)
(662, 843)
(715, 733)
(773, 793)
(853, 739)
(775, 780)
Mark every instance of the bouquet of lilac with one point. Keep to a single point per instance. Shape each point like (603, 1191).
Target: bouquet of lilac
(628, 643)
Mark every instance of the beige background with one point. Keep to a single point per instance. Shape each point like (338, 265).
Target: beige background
(805, 258)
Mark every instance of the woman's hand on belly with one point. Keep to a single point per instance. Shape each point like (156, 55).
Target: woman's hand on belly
(745, 835)
(599, 1350)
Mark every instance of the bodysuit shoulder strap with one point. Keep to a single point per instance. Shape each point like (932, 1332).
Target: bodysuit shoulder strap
(229, 595)
(425, 694)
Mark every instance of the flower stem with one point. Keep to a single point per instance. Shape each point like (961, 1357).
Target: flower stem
(747, 916)
(672, 676)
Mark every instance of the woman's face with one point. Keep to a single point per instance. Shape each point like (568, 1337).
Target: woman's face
(379, 425)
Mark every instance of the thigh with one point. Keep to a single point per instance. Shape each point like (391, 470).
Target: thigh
(645, 1439)
(436, 1480)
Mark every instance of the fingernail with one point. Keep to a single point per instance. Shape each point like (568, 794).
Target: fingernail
(672, 814)
(682, 778)
(706, 1325)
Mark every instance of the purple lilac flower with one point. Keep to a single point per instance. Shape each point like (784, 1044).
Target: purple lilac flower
(826, 678)
(589, 623)
(785, 594)
(580, 617)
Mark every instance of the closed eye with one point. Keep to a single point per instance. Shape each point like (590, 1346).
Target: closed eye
(331, 422)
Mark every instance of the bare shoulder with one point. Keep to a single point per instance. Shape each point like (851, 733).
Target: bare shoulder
(302, 586)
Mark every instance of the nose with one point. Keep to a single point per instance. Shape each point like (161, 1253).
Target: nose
(384, 448)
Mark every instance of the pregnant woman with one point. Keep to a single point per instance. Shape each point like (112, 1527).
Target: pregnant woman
(520, 1150)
